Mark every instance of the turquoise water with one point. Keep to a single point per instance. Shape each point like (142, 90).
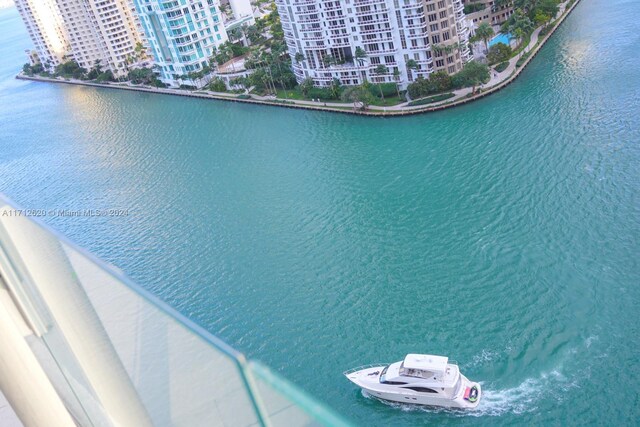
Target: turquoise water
(504, 234)
(500, 38)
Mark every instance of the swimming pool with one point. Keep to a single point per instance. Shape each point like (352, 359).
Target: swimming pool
(501, 38)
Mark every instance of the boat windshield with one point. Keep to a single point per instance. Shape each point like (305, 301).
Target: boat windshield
(416, 373)
(382, 374)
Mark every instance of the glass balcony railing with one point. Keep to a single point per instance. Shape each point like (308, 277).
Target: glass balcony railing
(102, 351)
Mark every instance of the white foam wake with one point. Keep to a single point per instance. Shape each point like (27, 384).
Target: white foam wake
(520, 399)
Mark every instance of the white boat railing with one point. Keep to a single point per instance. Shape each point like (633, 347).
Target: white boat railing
(382, 365)
(359, 368)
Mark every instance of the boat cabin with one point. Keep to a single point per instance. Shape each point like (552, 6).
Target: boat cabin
(424, 366)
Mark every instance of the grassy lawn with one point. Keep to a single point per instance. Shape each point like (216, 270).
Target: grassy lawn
(291, 94)
(297, 95)
(388, 102)
(432, 99)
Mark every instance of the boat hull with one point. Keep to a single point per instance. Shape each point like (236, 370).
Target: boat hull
(468, 396)
(417, 399)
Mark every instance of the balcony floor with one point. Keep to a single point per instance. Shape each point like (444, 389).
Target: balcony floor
(8, 418)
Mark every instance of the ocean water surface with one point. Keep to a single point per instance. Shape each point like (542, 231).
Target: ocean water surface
(504, 234)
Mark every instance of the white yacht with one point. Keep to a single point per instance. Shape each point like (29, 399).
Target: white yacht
(421, 379)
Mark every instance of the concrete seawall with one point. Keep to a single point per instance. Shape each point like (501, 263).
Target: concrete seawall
(347, 108)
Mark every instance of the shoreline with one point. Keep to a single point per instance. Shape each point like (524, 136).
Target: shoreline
(385, 112)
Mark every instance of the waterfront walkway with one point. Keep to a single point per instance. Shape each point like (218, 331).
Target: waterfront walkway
(496, 79)
(462, 96)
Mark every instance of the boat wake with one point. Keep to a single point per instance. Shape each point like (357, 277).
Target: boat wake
(495, 402)
(522, 398)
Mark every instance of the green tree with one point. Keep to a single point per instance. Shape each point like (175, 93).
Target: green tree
(328, 60)
(358, 95)
(306, 85)
(411, 65)
(440, 80)
(335, 88)
(140, 51)
(519, 35)
(485, 32)
(227, 48)
(474, 74)
(252, 59)
(239, 81)
(235, 34)
(217, 85)
(396, 78)
(299, 57)
(360, 55)
(541, 18)
(97, 65)
(518, 24)
(30, 70)
(105, 76)
(254, 34)
(497, 4)
(499, 52)
(548, 8)
(379, 71)
(70, 69)
(96, 70)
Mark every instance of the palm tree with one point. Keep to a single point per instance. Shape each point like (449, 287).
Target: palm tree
(278, 47)
(253, 33)
(239, 81)
(519, 34)
(268, 80)
(526, 5)
(357, 94)
(360, 55)
(268, 61)
(396, 77)
(518, 21)
(485, 32)
(277, 50)
(328, 60)
(235, 34)
(306, 85)
(381, 70)
(498, 3)
(437, 48)
(140, 51)
(412, 65)
(97, 66)
(227, 49)
(243, 30)
(299, 57)
(542, 19)
(252, 59)
(334, 89)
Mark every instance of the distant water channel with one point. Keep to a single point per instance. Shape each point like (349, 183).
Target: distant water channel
(504, 234)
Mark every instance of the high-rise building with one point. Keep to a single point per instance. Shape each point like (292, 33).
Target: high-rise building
(326, 39)
(85, 31)
(182, 34)
(104, 30)
(45, 27)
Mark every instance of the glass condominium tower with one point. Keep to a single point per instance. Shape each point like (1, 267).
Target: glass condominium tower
(182, 34)
(323, 36)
